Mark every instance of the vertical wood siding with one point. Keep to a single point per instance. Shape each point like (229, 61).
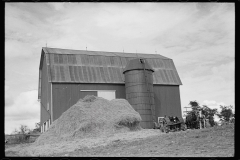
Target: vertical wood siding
(45, 94)
(66, 95)
(167, 100)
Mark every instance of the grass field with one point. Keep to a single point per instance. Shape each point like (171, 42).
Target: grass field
(209, 142)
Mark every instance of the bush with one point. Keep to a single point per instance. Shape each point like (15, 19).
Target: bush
(19, 138)
(226, 113)
(211, 121)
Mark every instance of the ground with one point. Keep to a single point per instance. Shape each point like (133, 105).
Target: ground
(209, 142)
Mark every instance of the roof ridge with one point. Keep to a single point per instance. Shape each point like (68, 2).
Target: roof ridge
(158, 55)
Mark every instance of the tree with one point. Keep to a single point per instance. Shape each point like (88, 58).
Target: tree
(206, 111)
(21, 134)
(209, 114)
(195, 105)
(226, 113)
(24, 129)
(195, 108)
(15, 131)
(192, 117)
(37, 127)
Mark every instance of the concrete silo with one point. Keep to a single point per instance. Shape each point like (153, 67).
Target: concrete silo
(139, 90)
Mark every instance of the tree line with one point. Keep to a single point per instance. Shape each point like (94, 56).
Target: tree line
(225, 115)
(24, 129)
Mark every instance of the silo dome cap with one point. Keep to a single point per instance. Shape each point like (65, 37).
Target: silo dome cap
(137, 64)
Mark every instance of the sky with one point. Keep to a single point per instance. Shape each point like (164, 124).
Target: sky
(199, 37)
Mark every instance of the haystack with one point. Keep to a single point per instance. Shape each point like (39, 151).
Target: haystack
(92, 117)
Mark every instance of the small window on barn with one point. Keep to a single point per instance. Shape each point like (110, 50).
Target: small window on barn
(107, 94)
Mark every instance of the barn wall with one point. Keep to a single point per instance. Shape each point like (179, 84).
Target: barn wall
(67, 94)
(45, 94)
(167, 100)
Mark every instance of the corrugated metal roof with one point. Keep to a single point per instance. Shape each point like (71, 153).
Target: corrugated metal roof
(101, 53)
(78, 66)
(136, 64)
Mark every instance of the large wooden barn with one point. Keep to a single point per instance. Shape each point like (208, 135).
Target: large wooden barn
(67, 75)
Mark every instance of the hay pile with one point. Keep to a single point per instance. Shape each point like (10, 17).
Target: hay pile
(92, 117)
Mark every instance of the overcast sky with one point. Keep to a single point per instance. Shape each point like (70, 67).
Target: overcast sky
(199, 37)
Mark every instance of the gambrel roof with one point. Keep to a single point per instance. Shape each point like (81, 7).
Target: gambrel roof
(81, 66)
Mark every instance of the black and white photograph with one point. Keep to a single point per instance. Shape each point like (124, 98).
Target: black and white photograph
(119, 79)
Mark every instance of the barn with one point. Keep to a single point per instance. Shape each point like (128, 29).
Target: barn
(67, 75)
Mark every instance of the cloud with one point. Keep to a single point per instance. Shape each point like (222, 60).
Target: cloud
(137, 22)
(8, 98)
(200, 29)
(19, 49)
(8, 101)
(212, 85)
(225, 71)
(213, 104)
(104, 26)
(58, 6)
(25, 110)
(31, 12)
(6, 88)
(26, 29)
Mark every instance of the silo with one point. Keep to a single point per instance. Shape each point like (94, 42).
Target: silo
(139, 90)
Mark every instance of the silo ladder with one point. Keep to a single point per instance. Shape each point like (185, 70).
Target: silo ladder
(148, 90)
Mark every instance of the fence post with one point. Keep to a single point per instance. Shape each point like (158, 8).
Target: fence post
(204, 123)
(200, 115)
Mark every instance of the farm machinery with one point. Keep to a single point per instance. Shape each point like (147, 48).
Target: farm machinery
(170, 124)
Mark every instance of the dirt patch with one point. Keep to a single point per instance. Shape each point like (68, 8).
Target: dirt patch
(209, 142)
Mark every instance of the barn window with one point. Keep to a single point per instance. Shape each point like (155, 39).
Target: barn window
(109, 95)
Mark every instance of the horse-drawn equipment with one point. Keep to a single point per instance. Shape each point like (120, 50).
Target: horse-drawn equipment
(170, 124)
